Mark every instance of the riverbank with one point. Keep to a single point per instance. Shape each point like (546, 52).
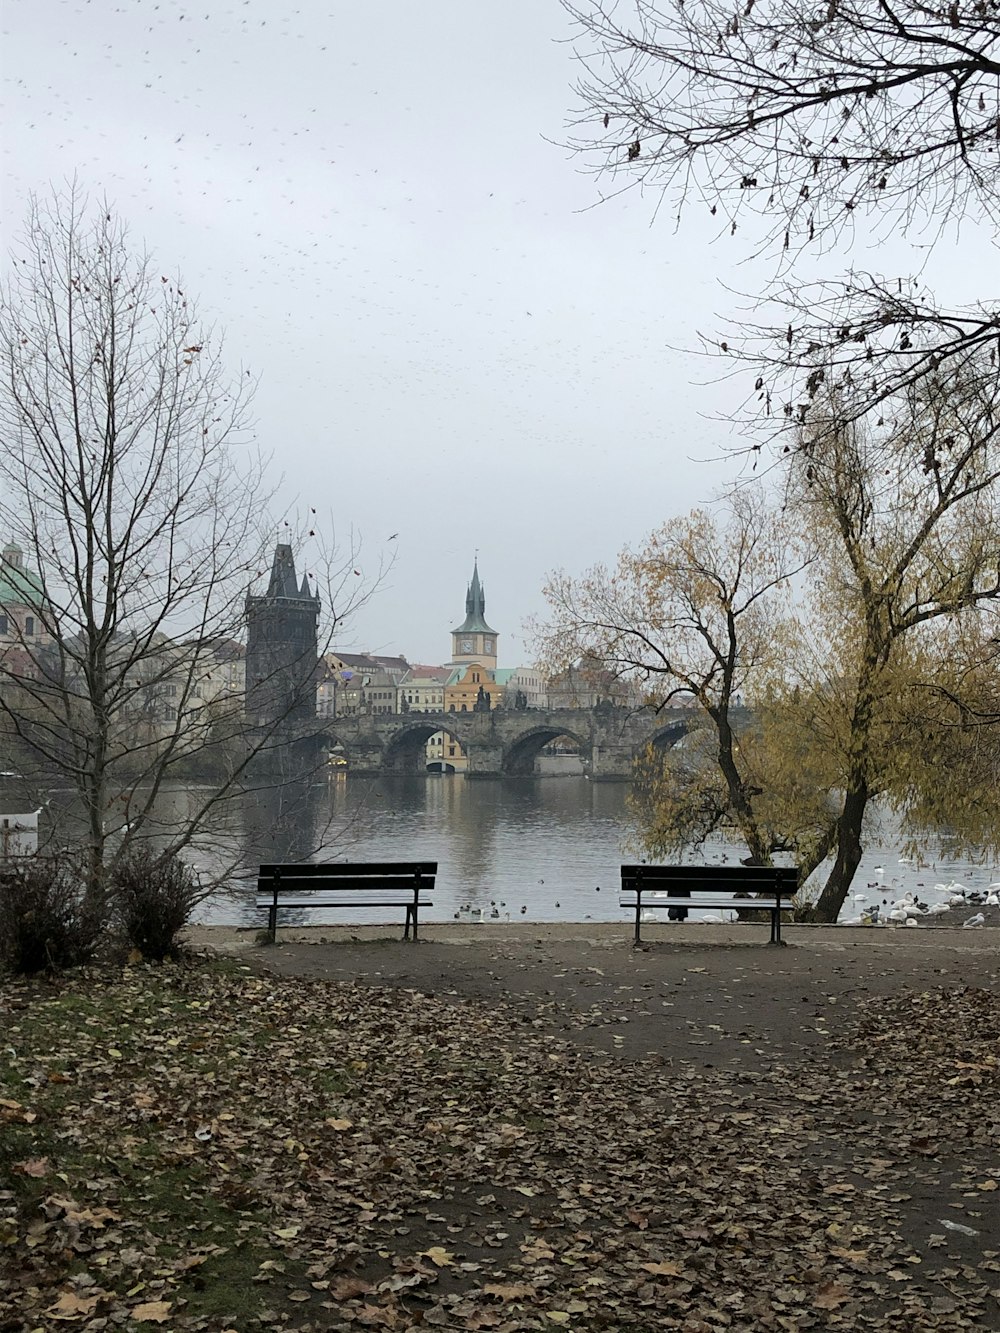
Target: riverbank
(230, 939)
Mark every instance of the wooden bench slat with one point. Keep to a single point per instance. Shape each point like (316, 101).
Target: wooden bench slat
(766, 902)
(315, 883)
(333, 869)
(340, 902)
(709, 872)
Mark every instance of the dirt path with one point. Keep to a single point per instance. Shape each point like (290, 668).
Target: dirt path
(703, 996)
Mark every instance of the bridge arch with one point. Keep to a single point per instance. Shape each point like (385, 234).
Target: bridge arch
(663, 738)
(520, 754)
(405, 751)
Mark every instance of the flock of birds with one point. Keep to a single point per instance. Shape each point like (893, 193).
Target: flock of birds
(909, 910)
(467, 912)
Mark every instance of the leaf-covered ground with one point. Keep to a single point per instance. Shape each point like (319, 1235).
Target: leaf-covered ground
(197, 1147)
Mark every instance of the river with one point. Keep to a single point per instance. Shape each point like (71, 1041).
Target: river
(541, 849)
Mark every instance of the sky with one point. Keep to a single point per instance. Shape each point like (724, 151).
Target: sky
(455, 341)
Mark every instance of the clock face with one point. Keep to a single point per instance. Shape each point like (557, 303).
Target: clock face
(466, 645)
(489, 645)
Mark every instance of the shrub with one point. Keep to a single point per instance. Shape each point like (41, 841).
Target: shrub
(45, 924)
(153, 898)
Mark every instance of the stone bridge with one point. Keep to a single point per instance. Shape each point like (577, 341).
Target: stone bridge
(502, 741)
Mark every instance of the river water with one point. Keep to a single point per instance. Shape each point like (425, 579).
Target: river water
(543, 849)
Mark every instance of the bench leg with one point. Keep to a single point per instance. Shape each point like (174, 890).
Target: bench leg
(272, 922)
(411, 915)
(776, 926)
(637, 914)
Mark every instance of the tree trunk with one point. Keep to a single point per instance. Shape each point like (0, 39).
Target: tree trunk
(760, 852)
(849, 851)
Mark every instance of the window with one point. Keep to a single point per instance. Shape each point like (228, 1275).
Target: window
(451, 751)
(3, 625)
(169, 714)
(475, 677)
(29, 624)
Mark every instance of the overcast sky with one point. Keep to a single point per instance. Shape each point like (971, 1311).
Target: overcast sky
(452, 343)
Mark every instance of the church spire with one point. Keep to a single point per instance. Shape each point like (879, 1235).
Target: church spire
(475, 607)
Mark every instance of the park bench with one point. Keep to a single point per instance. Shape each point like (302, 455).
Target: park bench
(346, 884)
(677, 888)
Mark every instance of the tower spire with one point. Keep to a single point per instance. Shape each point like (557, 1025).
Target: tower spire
(475, 608)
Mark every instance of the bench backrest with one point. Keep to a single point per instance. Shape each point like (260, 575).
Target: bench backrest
(712, 879)
(348, 876)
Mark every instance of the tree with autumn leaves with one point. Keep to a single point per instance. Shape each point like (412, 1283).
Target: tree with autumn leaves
(833, 640)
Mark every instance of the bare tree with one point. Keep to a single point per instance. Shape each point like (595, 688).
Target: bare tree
(810, 118)
(128, 488)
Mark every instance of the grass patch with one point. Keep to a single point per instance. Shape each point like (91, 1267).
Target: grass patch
(136, 1119)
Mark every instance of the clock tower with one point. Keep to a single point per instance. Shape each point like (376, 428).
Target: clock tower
(474, 641)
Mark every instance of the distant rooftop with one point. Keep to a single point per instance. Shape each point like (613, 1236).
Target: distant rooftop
(19, 586)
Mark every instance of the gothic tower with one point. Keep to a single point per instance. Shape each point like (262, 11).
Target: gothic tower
(282, 659)
(474, 641)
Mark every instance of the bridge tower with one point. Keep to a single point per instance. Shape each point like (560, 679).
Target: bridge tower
(282, 660)
(474, 640)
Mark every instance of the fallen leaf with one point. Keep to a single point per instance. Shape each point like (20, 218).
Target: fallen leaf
(71, 1306)
(438, 1255)
(35, 1166)
(830, 1296)
(666, 1268)
(152, 1312)
(510, 1291)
